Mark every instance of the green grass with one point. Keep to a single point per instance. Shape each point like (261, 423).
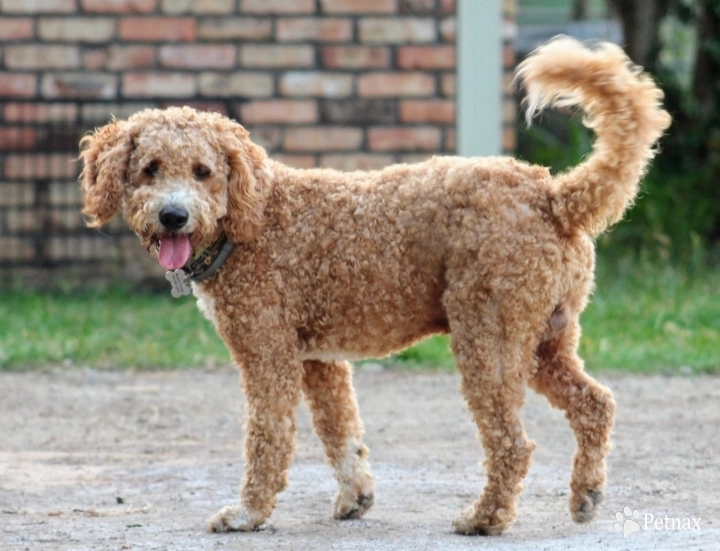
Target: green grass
(115, 329)
(644, 317)
(648, 319)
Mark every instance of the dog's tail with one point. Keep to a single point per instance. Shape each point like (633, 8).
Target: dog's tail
(622, 106)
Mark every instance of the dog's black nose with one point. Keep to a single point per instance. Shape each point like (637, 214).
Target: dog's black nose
(173, 218)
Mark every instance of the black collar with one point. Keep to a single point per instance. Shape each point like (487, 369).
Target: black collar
(210, 260)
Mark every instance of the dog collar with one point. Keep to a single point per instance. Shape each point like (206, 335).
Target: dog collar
(200, 268)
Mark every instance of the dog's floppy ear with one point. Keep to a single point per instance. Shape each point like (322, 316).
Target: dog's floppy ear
(105, 154)
(248, 183)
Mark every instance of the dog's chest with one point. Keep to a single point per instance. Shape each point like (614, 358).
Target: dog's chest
(206, 303)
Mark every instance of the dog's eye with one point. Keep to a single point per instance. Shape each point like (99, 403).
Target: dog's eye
(151, 168)
(201, 172)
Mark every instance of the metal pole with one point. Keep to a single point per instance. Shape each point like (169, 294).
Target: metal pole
(479, 74)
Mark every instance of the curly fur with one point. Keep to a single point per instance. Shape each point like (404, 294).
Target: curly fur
(332, 266)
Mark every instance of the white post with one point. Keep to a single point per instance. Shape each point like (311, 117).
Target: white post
(479, 77)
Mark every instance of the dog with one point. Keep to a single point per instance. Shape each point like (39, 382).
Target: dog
(301, 271)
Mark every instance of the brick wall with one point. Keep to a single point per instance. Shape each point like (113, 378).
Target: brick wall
(341, 83)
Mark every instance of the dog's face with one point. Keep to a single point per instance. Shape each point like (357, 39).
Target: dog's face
(180, 178)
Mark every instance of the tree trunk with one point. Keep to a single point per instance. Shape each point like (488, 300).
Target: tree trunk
(707, 65)
(640, 20)
(579, 10)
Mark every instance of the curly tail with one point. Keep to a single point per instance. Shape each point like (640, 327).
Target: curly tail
(621, 104)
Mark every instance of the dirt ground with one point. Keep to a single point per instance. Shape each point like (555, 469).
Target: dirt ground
(119, 460)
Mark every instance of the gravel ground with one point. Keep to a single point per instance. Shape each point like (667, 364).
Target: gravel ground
(120, 460)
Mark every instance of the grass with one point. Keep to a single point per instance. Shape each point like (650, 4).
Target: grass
(644, 317)
(105, 330)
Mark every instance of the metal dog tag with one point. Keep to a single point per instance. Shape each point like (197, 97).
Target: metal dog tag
(178, 280)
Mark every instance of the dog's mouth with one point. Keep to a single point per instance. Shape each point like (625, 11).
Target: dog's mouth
(174, 250)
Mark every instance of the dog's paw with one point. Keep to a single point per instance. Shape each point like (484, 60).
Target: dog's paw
(470, 523)
(353, 506)
(232, 518)
(356, 485)
(584, 505)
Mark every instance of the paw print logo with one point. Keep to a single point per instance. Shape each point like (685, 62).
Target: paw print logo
(627, 521)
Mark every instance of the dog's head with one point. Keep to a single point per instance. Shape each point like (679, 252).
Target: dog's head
(180, 178)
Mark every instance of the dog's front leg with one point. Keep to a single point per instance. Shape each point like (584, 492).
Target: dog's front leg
(272, 383)
(329, 392)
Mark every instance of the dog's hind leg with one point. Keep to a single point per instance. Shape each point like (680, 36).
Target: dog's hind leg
(272, 385)
(494, 360)
(329, 392)
(590, 410)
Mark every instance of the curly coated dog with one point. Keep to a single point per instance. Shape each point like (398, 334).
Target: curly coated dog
(303, 270)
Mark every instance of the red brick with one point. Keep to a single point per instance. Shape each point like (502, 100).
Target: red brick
(119, 6)
(427, 111)
(396, 84)
(279, 111)
(509, 56)
(76, 29)
(158, 84)
(130, 57)
(158, 29)
(16, 28)
(357, 161)
(402, 30)
(316, 84)
(355, 57)
(235, 28)
(358, 6)
(450, 140)
(277, 6)
(404, 139)
(210, 56)
(509, 139)
(296, 161)
(79, 85)
(27, 7)
(318, 138)
(17, 138)
(23, 166)
(448, 29)
(318, 29)
(42, 57)
(448, 84)
(16, 248)
(426, 57)
(509, 112)
(272, 55)
(95, 59)
(236, 84)
(448, 6)
(40, 112)
(197, 6)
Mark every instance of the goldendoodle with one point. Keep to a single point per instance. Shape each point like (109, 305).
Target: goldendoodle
(303, 270)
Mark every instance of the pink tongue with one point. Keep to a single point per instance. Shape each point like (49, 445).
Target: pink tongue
(174, 251)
